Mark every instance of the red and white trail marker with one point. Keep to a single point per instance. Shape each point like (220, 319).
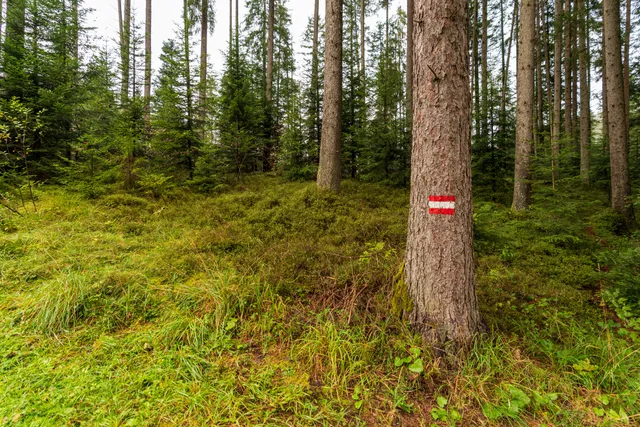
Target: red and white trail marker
(442, 205)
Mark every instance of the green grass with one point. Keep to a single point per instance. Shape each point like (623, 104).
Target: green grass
(271, 305)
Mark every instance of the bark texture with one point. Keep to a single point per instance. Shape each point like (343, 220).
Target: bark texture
(439, 261)
(410, 11)
(330, 169)
(525, 107)
(618, 142)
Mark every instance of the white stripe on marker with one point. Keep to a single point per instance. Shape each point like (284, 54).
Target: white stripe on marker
(442, 205)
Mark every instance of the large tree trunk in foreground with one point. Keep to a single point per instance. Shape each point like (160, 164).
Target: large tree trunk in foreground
(618, 142)
(524, 112)
(439, 259)
(330, 169)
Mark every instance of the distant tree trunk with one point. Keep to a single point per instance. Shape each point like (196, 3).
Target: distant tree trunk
(147, 64)
(269, 93)
(330, 170)
(75, 31)
(525, 108)
(557, 91)
(485, 73)
(566, 21)
(439, 264)
(410, 15)
(476, 69)
(363, 30)
(230, 26)
(538, 132)
(547, 65)
(618, 143)
(204, 49)
(315, 65)
(505, 79)
(125, 48)
(188, 83)
(627, 38)
(575, 72)
(1, 21)
(585, 108)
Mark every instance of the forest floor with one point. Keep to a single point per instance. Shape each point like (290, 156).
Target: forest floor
(274, 304)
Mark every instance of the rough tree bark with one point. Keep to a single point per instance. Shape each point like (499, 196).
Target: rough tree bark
(585, 96)
(330, 169)
(618, 142)
(525, 107)
(439, 261)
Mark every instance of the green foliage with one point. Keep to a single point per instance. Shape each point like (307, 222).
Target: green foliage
(279, 295)
(624, 295)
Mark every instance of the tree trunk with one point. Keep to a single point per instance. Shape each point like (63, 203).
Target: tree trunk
(363, 30)
(538, 133)
(566, 21)
(439, 261)
(126, 54)
(410, 14)
(147, 64)
(557, 91)
(204, 45)
(627, 38)
(315, 65)
(585, 108)
(330, 170)
(476, 67)
(618, 143)
(485, 73)
(525, 108)
(269, 93)
(187, 70)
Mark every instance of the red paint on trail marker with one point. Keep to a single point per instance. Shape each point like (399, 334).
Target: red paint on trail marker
(442, 205)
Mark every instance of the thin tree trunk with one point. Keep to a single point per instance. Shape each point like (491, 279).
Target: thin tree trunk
(575, 72)
(363, 30)
(269, 93)
(147, 64)
(618, 142)
(439, 262)
(230, 27)
(315, 65)
(476, 67)
(557, 92)
(538, 133)
(204, 45)
(627, 38)
(485, 72)
(410, 16)
(567, 71)
(505, 80)
(187, 70)
(585, 110)
(330, 170)
(547, 64)
(525, 108)
(75, 29)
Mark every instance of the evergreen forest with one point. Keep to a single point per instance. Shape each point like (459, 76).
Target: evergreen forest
(418, 213)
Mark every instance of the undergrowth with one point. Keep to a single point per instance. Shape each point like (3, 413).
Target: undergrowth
(271, 304)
